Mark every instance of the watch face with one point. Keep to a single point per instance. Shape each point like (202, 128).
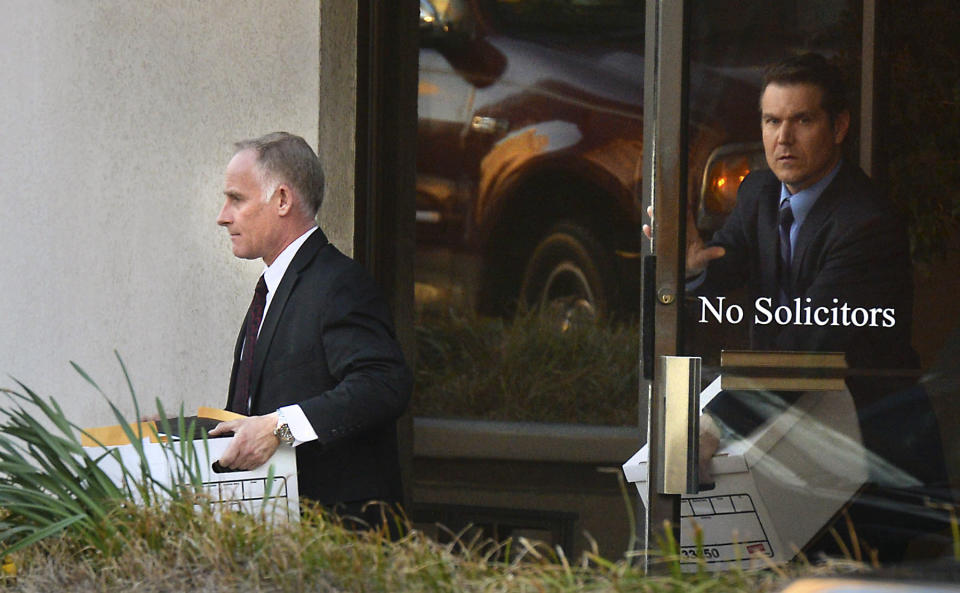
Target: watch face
(284, 433)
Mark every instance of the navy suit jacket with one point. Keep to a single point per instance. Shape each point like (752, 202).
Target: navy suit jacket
(852, 247)
(327, 343)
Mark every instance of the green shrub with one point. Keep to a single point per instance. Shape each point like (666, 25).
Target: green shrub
(527, 369)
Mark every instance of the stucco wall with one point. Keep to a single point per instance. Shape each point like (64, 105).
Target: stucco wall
(338, 97)
(118, 119)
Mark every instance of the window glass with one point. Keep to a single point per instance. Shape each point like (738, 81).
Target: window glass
(529, 153)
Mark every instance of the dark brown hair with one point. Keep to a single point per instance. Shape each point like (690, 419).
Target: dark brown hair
(811, 68)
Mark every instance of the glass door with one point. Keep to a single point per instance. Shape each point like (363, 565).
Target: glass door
(795, 284)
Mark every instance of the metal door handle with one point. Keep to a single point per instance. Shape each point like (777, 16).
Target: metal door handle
(678, 379)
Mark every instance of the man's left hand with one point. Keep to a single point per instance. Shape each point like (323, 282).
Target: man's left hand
(709, 443)
(253, 441)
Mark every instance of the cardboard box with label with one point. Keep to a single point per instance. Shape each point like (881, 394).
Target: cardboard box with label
(775, 489)
(236, 490)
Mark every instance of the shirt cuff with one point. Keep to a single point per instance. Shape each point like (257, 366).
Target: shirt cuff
(692, 283)
(301, 428)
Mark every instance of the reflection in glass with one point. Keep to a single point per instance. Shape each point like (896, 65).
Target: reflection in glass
(529, 161)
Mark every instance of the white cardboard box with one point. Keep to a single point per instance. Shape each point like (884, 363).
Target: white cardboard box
(775, 489)
(240, 491)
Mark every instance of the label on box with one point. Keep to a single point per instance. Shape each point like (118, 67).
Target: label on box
(730, 526)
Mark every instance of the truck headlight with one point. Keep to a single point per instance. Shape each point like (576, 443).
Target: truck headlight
(727, 166)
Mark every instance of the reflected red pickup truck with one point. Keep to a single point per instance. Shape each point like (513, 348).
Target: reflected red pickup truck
(530, 153)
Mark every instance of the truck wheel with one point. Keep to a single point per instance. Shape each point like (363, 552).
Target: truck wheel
(567, 276)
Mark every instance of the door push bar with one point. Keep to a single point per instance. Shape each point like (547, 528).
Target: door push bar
(678, 384)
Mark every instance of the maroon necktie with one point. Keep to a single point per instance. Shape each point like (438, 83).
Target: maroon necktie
(241, 393)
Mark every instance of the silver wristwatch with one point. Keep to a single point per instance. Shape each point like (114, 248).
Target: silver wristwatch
(284, 433)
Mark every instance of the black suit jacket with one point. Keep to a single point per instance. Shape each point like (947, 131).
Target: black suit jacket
(327, 343)
(852, 248)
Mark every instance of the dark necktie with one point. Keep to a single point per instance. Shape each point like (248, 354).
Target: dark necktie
(786, 251)
(240, 403)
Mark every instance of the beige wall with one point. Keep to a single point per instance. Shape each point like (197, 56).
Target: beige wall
(338, 96)
(118, 119)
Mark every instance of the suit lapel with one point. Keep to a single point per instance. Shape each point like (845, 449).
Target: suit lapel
(301, 260)
(768, 237)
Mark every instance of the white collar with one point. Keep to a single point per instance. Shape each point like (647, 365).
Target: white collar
(273, 273)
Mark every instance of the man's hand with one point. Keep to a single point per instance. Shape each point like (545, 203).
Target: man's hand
(698, 255)
(253, 441)
(648, 228)
(709, 443)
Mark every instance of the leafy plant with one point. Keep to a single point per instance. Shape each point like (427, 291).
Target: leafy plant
(50, 483)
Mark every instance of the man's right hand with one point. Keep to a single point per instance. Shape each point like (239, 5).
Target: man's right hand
(698, 254)
(254, 441)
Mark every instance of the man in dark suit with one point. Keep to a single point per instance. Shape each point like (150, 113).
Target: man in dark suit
(811, 235)
(316, 365)
(848, 253)
(849, 250)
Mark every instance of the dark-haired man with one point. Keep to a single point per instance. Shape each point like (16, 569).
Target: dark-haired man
(845, 244)
(845, 241)
(316, 364)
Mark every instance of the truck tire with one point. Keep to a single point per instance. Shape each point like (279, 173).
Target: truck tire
(568, 276)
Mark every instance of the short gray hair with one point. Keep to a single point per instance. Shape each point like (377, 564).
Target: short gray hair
(287, 158)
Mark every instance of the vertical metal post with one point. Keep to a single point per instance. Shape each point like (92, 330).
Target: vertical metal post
(665, 185)
(868, 71)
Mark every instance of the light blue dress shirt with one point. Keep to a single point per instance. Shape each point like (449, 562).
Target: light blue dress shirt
(802, 202)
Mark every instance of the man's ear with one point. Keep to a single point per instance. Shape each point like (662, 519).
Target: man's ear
(284, 200)
(841, 125)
